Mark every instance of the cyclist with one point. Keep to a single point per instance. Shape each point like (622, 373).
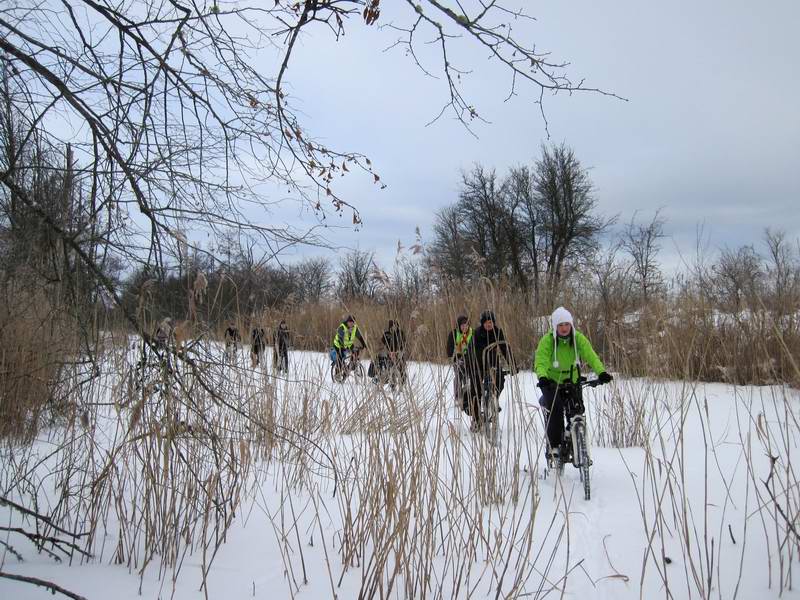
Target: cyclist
(394, 344)
(488, 333)
(232, 341)
(280, 349)
(459, 350)
(258, 343)
(557, 361)
(165, 333)
(344, 338)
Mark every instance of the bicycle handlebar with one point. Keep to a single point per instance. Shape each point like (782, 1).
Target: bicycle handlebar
(583, 382)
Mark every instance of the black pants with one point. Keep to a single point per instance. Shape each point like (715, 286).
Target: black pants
(280, 358)
(256, 350)
(461, 385)
(554, 417)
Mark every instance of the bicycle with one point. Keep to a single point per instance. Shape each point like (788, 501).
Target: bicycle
(349, 364)
(461, 385)
(493, 374)
(574, 447)
(390, 371)
(231, 353)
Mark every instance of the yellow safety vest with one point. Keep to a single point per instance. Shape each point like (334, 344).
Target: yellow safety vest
(348, 337)
(460, 338)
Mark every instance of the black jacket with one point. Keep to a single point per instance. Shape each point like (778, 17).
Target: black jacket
(282, 339)
(394, 340)
(482, 340)
(258, 338)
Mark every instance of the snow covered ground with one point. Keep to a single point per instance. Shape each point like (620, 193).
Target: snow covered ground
(372, 493)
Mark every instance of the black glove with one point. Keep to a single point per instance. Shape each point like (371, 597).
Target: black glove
(604, 377)
(545, 382)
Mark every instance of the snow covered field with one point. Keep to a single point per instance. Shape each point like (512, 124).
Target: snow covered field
(297, 487)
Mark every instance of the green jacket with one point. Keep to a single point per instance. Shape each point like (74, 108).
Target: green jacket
(565, 355)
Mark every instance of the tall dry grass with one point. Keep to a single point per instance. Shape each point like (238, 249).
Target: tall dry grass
(36, 340)
(685, 336)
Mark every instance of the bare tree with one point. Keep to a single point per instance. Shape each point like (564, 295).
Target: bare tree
(783, 272)
(737, 276)
(642, 243)
(613, 283)
(448, 251)
(482, 208)
(356, 278)
(314, 279)
(564, 212)
(522, 230)
(534, 228)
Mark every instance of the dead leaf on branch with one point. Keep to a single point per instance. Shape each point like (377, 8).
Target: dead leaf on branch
(372, 12)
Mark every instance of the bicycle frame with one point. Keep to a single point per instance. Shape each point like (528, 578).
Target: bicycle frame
(461, 383)
(574, 414)
(391, 371)
(349, 363)
(489, 392)
(575, 445)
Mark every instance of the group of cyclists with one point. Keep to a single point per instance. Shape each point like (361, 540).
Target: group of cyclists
(391, 356)
(473, 352)
(281, 340)
(477, 354)
(556, 363)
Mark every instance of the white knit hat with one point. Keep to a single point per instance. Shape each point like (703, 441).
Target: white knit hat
(562, 315)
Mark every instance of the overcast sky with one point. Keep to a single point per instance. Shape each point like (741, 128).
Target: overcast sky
(710, 132)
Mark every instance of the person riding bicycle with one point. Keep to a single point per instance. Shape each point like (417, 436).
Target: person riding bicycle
(233, 340)
(394, 347)
(488, 333)
(258, 343)
(459, 350)
(165, 333)
(556, 362)
(280, 351)
(344, 338)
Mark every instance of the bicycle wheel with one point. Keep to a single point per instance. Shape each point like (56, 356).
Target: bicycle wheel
(358, 371)
(395, 377)
(583, 459)
(489, 412)
(337, 375)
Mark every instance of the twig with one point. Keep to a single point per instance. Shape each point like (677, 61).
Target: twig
(42, 583)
